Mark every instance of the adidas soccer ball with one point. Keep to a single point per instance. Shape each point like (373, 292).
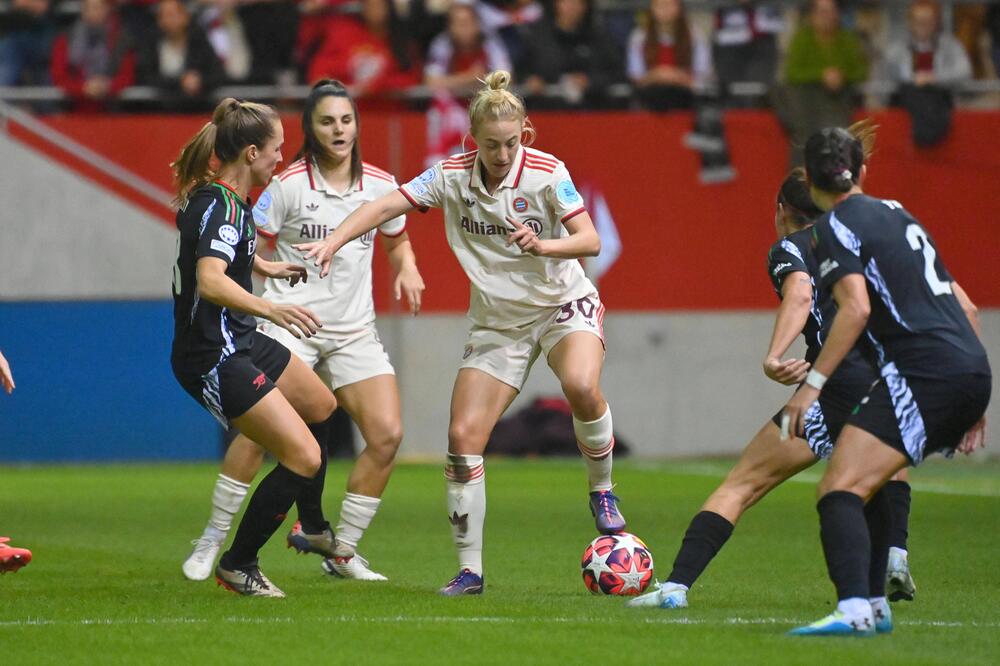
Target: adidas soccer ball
(618, 564)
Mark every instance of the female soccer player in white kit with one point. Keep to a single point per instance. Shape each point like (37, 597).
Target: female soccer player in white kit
(326, 182)
(517, 225)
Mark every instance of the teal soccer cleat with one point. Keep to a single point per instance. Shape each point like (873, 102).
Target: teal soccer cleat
(838, 624)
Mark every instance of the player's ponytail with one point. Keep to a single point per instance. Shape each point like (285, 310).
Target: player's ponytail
(234, 126)
(495, 101)
(834, 158)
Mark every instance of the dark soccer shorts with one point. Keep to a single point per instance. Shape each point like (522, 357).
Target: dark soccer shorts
(827, 416)
(239, 381)
(919, 416)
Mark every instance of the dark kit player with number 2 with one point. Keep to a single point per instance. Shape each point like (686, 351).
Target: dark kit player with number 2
(921, 329)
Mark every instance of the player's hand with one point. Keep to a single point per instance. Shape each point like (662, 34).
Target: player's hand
(790, 372)
(410, 284)
(795, 410)
(975, 438)
(321, 252)
(285, 270)
(6, 378)
(524, 237)
(295, 319)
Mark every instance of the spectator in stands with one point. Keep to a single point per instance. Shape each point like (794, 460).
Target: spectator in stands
(824, 64)
(463, 54)
(272, 26)
(26, 34)
(927, 66)
(369, 53)
(567, 50)
(510, 21)
(746, 48)
(993, 28)
(178, 59)
(666, 57)
(93, 60)
(229, 39)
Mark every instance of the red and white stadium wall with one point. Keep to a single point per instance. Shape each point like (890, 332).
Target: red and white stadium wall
(689, 302)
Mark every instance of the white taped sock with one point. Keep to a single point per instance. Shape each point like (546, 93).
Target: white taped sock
(467, 508)
(356, 515)
(855, 607)
(596, 441)
(227, 498)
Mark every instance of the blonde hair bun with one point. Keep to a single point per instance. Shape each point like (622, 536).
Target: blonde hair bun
(497, 80)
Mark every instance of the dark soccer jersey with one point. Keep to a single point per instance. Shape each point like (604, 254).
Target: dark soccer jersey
(214, 223)
(792, 254)
(916, 322)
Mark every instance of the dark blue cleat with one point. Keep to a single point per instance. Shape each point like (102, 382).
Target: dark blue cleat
(465, 582)
(604, 508)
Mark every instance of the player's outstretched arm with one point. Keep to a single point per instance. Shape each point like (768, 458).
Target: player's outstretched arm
(975, 438)
(408, 280)
(6, 378)
(853, 309)
(280, 270)
(361, 221)
(215, 286)
(796, 303)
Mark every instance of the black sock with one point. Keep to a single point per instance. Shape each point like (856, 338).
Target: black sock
(705, 536)
(265, 513)
(846, 545)
(310, 500)
(878, 515)
(898, 493)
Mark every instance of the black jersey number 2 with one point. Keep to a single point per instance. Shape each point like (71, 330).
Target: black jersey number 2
(918, 240)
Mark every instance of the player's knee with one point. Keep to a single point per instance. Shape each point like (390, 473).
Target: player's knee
(305, 460)
(385, 444)
(464, 437)
(319, 408)
(584, 396)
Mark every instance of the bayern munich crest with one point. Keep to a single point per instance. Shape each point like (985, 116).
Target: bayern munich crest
(520, 204)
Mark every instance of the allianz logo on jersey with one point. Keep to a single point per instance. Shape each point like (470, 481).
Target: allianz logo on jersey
(320, 231)
(482, 229)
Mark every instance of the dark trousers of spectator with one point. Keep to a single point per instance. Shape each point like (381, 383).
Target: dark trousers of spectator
(24, 57)
(807, 108)
(929, 108)
(272, 28)
(665, 98)
(756, 62)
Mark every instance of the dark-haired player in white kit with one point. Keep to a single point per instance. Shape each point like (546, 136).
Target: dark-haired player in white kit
(893, 292)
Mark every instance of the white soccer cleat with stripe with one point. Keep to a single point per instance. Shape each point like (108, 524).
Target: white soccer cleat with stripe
(201, 561)
(354, 567)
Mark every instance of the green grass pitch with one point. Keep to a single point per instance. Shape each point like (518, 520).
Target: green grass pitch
(105, 586)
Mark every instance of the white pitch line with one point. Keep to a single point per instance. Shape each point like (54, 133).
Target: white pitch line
(641, 617)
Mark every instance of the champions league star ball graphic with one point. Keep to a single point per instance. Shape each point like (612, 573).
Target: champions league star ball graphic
(619, 564)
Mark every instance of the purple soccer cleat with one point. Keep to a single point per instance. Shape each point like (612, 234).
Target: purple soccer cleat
(465, 582)
(607, 517)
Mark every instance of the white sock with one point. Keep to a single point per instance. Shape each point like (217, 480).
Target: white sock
(467, 508)
(596, 441)
(855, 607)
(897, 553)
(227, 498)
(356, 515)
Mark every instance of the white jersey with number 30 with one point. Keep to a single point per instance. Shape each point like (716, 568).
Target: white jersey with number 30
(508, 286)
(299, 207)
